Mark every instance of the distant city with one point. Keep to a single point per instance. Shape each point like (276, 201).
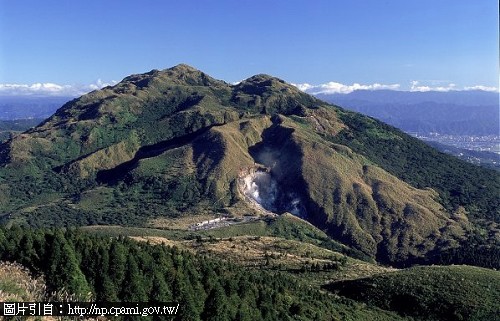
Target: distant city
(479, 150)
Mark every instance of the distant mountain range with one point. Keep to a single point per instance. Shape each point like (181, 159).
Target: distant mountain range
(25, 107)
(453, 112)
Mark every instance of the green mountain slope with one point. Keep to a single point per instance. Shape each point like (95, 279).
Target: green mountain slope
(458, 183)
(176, 143)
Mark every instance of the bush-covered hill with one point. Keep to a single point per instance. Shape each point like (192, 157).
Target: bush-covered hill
(458, 183)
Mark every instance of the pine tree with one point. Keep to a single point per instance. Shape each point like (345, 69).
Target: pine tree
(160, 291)
(133, 289)
(216, 308)
(106, 290)
(27, 254)
(188, 310)
(3, 245)
(245, 312)
(117, 261)
(64, 270)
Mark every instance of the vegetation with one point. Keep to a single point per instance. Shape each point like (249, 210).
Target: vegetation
(430, 293)
(119, 269)
(286, 227)
(474, 250)
(17, 284)
(289, 227)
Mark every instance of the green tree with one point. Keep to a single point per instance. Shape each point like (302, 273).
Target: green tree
(160, 291)
(189, 309)
(133, 289)
(64, 271)
(216, 308)
(27, 253)
(246, 312)
(117, 262)
(106, 290)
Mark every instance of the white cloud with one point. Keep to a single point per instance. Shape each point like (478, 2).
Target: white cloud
(333, 87)
(51, 89)
(416, 86)
(37, 88)
(303, 87)
(484, 88)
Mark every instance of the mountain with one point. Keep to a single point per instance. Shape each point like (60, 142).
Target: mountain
(453, 112)
(177, 143)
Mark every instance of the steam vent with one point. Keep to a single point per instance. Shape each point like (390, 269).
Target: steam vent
(261, 188)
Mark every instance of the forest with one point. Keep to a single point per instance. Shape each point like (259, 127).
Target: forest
(103, 269)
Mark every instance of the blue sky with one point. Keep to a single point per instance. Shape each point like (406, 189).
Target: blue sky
(419, 44)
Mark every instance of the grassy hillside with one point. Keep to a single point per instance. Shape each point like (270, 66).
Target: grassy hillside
(286, 227)
(430, 293)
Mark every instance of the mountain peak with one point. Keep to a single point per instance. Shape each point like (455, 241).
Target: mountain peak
(274, 95)
(184, 74)
(181, 74)
(264, 80)
(183, 68)
(261, 83)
